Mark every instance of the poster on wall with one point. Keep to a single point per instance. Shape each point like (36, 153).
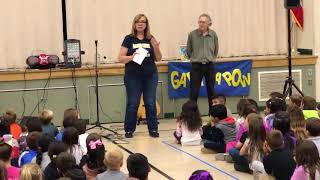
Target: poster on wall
(231, 79)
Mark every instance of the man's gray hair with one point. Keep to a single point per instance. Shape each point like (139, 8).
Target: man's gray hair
(207, 16)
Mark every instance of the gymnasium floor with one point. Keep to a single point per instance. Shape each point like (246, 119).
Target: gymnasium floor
(170, 160)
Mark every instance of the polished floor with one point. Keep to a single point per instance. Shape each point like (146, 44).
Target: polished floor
(168, 160)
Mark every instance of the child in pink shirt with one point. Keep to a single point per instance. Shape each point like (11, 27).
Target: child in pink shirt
(308, 161)
(5, 156)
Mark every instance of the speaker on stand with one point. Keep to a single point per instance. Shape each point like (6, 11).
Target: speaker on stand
(291, 3)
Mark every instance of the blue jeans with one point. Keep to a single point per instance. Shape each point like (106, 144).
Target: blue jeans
(240, 162)
(219, 147)
(234, 152)
(136, 84)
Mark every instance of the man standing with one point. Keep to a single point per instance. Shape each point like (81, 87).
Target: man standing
(202, 50)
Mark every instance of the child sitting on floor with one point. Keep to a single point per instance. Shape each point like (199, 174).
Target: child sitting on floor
(70, 116)
(30, 156)
(138, 167)
(92, 163)
(43, 158)
(297, 122)
(71, 139)
(221, 99)
(252, 149)
(32, 124)
(31, 171)
(51, 171)
(313, 128)
(279, 162)
(282, 123)
(273, 106)
(295, 99)
(113, 160)
(221, 130)
(9, 118)
(81, 127)
(233, 148)
(309, 106)
(5, 157)
(189, 131)
(66, 164)
(200, 175)
(48, 127)
(308, 161)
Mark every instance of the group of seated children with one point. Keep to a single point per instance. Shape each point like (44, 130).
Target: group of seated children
(283, 143)
(39, 151)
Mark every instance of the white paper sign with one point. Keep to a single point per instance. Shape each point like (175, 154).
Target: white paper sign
(142, 53)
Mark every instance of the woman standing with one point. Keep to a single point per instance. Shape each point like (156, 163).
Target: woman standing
(140, 78)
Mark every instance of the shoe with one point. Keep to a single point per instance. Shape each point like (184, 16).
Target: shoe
(208, 151)
(228, 158)
(128, 135)
(220, 156)
(224, 157)
(154, 134)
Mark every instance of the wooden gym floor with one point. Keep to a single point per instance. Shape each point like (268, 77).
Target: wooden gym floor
(168, 160)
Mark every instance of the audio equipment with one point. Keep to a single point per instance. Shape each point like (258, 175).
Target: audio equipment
(291, 3)
(42, 61)
(72, 53)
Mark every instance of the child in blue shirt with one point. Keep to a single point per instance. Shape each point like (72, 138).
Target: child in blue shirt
(30, 156)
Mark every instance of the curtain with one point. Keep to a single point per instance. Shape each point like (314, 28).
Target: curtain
(29, 27)
(246, 27)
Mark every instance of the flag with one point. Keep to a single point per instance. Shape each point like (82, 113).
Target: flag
(297, 14)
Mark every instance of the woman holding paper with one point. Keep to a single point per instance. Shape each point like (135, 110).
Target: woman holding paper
(139, 51)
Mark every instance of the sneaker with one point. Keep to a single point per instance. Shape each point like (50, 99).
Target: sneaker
(128, 135)
(228, 158)
(220, 156)
(154, 134)
(208, 151)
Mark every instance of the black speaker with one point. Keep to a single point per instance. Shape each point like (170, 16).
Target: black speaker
(291, 3)
(72, 53)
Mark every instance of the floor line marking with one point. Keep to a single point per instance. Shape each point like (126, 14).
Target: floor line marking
(204, 162)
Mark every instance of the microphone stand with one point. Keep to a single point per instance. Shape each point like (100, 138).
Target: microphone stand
(97, 123)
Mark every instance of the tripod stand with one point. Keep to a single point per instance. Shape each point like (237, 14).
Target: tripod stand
(97, 123)
(289, 83)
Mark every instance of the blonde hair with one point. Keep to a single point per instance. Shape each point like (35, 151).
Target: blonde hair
(113, 159)
(46, 116)
(10, 116)
(257, 136)
(31, 171)
(297, 122)
(147, 33)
